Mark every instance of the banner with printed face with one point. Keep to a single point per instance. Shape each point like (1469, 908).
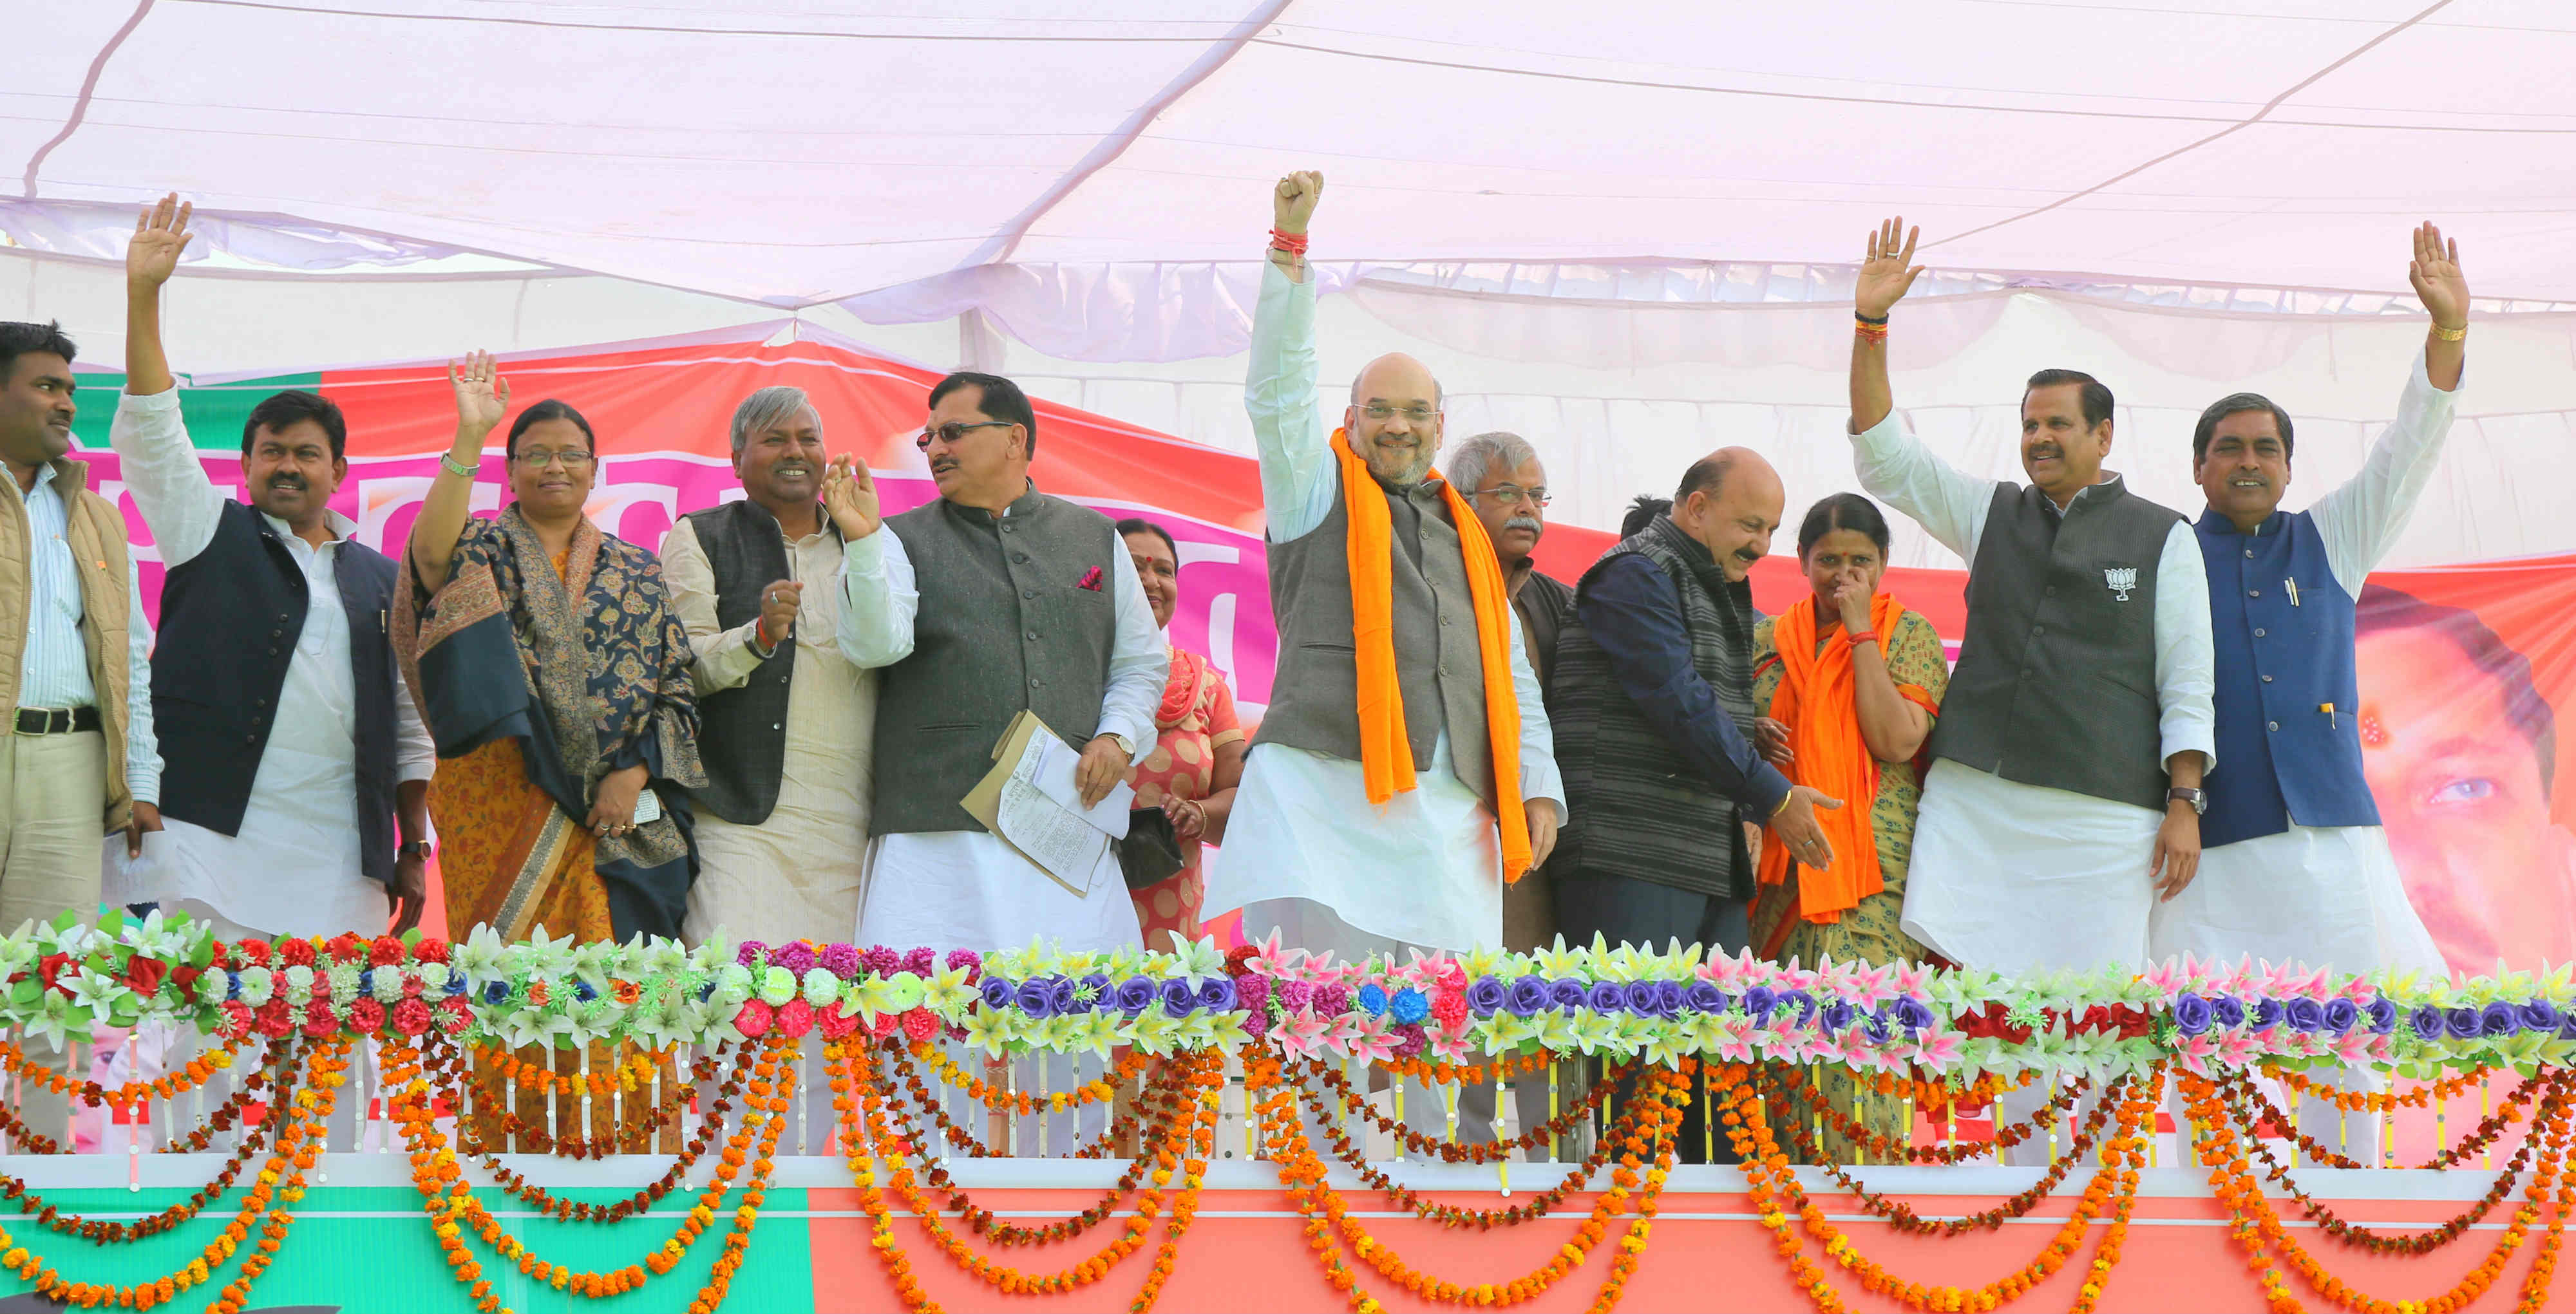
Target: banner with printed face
(2463, 669)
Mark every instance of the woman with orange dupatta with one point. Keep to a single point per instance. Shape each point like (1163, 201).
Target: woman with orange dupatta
(1853, 682)
(554, 675)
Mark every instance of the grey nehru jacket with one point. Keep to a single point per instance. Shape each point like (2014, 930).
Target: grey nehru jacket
(1006, 623)
(1439, 667)
(2056, 682)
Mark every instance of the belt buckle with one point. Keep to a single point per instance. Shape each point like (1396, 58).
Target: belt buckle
(46, 727)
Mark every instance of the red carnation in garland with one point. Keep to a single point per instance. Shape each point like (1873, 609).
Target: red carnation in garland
(319, 1020)
(385, 951)
(1239, 955)
(754, 1019)
(454, 1014)
(252, 953)
(220, 949)
(412, 1017)
(835, 1024)
(237, 1019)
(50, 967)
(273, 1019)
(296, 952)
(366, 1016)
(183, 978)
(143, 975)
(795, 1018)
(1449, 1009)
(346, 947)
(431, 949)
(885, 1025)
(920, 1025)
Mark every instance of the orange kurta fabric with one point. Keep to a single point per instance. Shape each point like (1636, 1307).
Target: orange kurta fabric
(1820, 704)
(1386, 755)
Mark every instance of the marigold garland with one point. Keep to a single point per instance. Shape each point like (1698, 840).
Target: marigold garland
(1793, 1082)
(1448, 1151)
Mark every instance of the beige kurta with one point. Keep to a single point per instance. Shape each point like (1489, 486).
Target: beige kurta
(795, 876)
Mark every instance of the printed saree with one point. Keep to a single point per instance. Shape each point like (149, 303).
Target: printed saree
(537, 677)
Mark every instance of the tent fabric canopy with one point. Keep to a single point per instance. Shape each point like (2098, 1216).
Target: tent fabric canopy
(796, 151)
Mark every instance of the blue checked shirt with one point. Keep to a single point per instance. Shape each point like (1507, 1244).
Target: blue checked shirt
(54, 669)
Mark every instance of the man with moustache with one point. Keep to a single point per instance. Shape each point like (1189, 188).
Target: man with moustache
(2065, 794)
(2296, 866)
(1654, 703)
(297, 785)
(1654, 698)
(786, 701)
(995, 599)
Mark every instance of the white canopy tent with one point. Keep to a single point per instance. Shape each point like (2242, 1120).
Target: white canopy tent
(1624, 232)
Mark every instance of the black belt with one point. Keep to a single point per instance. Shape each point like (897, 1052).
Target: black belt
(56, 720)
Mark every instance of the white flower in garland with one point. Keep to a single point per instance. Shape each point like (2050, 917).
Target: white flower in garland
(1196, 962)
(258, 985)
(716, 952)
(54, 1019)
(299, 986)
(344, 984)
(777, 986)
(948, 994)
(480, 957)
(820, 987)
(98, 993)
(524, 1026)
(386, 984)
(433, 978)
(596, 962)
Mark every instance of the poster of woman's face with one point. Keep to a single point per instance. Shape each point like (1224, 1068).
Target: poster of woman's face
(2459, 747)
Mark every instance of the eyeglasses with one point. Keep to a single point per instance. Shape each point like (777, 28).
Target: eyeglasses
(1514, 495)
(950, 432)
(1417, 413)
(540, 459)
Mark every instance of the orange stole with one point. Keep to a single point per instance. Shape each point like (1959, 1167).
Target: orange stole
(1818, 700)
(1386, 755)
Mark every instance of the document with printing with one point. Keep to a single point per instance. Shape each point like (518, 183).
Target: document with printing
(1030, 800)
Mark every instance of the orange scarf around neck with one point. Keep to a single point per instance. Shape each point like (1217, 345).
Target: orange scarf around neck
(1819, 702)
(1386, 754)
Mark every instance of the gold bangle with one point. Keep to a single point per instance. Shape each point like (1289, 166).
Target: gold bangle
(2450, 334)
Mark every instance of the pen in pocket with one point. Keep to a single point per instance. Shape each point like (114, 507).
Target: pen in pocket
(2293, 586)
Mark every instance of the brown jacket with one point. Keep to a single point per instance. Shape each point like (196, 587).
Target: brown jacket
(98, 550)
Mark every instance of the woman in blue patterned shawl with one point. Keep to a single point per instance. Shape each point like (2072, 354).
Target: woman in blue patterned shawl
(554, 675)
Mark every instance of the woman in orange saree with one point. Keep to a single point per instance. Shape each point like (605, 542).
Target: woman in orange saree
(553, 674)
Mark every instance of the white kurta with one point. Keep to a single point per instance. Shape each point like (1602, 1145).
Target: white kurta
(294, 868)
(797, 874)
(1425, 868)
(2327, 896)
(969, 889)
(2013, 877)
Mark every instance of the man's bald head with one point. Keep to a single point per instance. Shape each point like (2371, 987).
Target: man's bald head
(1731, 501)
(1394, 420)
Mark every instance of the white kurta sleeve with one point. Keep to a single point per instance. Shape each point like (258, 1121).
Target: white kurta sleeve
(722, 659)
(1140, 664)
(2186, 658)
(878, 601)
(415, 753)
(180, 505)
(1298, 474)
(142, 746)
(1899, 470)
(2360, 520)
(1539, 776)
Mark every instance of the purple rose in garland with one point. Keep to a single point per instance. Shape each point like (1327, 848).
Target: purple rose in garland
(1037, 998)
(1668, 999)
(1913, 1014)
(1608, 997)
(1566, 992)
(1704, 998)
(2428, 1022)
(999, 994)
(1759, 1001)
(2498, 1020)
(1877, 1025)
(1095, 990)
(1136, 993)
(1217, 994)
(1062, 998)
(2382, 1015)
(1179, 997)
(1485, 997)
(2540, 1015)
(2227, 1012)
(1527, 996)
(2462, 1023)
(2191, 1014)
(2341, 1015)
(2305, 1016)
(1802, 1001)
(2267, 1014)
(1838, 1015)
(2566, 1025)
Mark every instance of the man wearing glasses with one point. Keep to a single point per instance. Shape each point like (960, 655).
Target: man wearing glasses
(995, 599)
(1404, 770)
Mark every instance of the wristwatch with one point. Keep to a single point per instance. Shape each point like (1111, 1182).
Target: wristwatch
(1123, 746)
(415, 849)
(2197, 798)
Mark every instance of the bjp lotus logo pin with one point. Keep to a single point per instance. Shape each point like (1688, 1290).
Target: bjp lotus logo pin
(2120, 579)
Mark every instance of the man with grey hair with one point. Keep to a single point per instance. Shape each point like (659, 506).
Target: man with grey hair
(786, 711)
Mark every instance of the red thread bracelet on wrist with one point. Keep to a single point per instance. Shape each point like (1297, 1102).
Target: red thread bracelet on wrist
(1858, 637)
(1294, 244)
